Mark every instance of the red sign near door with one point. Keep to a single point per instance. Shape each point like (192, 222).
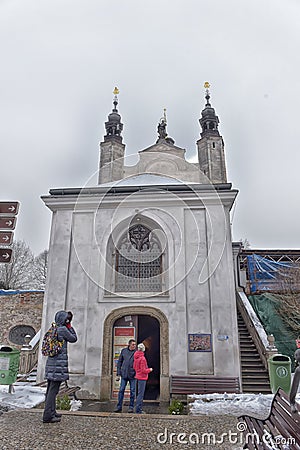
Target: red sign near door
(124, 331)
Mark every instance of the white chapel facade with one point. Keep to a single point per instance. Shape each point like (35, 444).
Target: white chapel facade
(146, 252)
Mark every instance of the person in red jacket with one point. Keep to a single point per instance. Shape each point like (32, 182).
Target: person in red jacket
(141, 374)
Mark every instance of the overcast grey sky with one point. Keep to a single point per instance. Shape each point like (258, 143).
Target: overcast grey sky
(60, 60)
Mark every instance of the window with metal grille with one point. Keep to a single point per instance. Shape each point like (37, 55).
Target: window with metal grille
(138, 261)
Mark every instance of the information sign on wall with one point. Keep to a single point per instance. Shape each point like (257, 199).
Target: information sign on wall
(120, 340)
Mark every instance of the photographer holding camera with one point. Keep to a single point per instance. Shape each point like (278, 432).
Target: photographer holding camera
(57, 369)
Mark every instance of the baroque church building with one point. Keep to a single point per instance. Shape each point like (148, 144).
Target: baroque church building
(145, 252)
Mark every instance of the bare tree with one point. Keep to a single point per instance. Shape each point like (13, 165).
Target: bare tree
(19, 273)
(289, 295)
(40, 269)
(245, 243)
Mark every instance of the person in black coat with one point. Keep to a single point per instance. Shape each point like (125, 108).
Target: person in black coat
(57, 366)
(126, 371)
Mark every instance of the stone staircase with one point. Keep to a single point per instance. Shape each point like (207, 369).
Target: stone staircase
(255, 377)
(29, 378)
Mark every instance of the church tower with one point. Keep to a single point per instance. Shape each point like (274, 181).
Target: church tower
(211, 146)
(112, 150)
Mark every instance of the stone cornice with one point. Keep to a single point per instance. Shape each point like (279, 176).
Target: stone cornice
(93, 198)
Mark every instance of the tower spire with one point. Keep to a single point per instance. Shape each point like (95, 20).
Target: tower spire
(209, 121)
(112, 150)
(114, 126)
(210, 145)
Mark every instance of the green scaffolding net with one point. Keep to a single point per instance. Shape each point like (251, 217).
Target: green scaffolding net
(278, 318)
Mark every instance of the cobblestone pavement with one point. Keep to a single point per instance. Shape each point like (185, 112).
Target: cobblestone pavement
(82, 430)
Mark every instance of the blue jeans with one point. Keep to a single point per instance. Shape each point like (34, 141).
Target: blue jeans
(141, 385)
(123, 385)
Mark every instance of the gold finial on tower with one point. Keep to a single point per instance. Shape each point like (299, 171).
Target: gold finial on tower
(115, 101)
(207, 96)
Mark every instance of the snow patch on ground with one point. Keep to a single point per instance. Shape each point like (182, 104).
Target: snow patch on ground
(257, 405)
(75, 405)
(22, 396)
(26, 396)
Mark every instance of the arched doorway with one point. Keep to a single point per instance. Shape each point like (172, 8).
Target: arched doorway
(152, 323)
(142, 328)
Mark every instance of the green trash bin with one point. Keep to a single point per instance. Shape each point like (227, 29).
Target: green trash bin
(280, 373)
(9, 364)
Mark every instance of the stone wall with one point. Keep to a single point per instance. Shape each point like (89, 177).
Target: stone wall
(23, 308)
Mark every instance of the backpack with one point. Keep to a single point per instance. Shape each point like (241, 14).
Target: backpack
(51, 346)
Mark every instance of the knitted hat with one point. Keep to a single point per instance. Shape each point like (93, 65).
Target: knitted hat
(141, 347)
